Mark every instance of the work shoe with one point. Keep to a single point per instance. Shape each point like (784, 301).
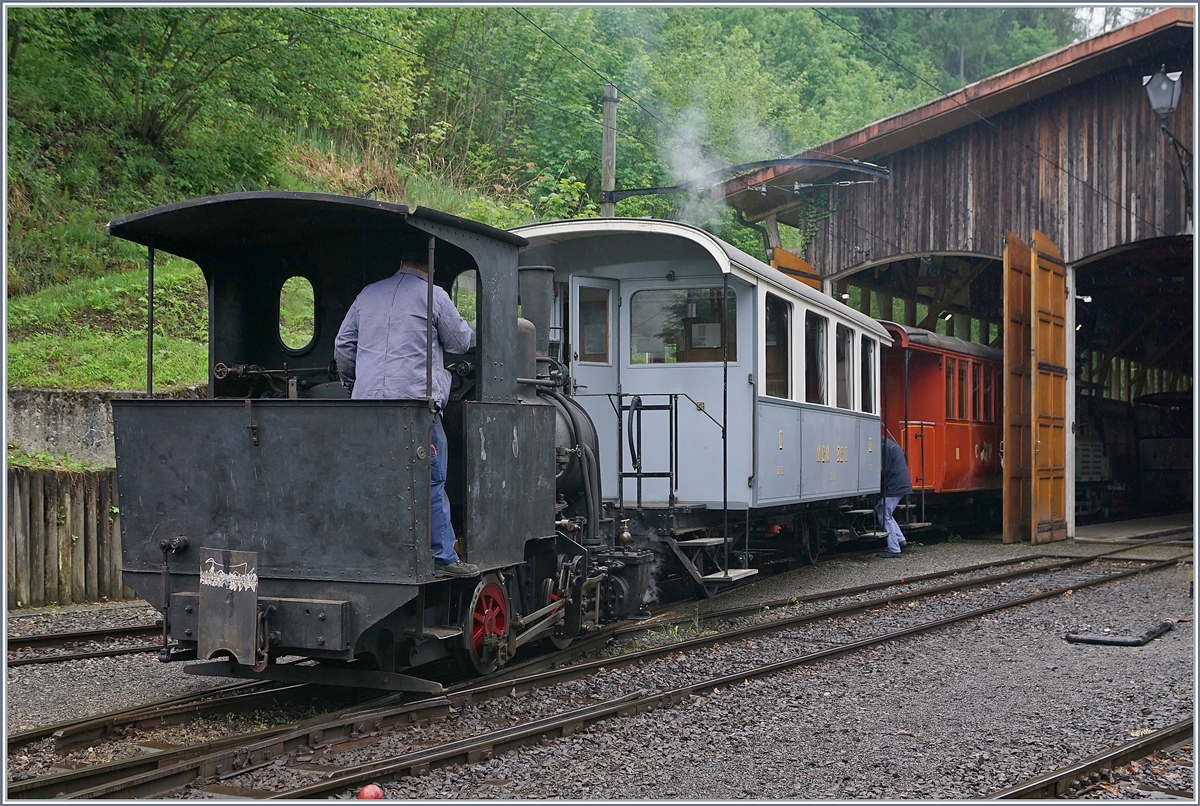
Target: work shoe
(455, 569)
(887, 555)
(903, 545)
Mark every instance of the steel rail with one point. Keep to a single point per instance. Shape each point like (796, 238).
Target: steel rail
(483, 747)
(1062, 782)
(489, 689)
(22, 738)
(44, 640)
(674, 617)
(66, 783)
(60, 640)
(88, 731)
(231, 761)
(101, 653)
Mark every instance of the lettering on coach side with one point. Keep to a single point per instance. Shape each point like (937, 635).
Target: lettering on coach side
(842, 454)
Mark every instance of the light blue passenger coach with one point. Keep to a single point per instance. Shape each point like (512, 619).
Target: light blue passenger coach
(737, 410)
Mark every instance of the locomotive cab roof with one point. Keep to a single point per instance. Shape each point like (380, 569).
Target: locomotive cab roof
(205, 228)
(249, 244)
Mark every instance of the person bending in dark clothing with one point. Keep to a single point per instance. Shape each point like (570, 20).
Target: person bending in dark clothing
(894, 484)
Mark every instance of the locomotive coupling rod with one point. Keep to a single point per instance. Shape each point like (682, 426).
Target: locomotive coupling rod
(549, 622)
(521, 621)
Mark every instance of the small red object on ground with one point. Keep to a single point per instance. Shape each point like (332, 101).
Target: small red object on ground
(370, 792)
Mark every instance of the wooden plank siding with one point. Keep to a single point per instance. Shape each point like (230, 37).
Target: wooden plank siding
(1089, 167)
(63, 538)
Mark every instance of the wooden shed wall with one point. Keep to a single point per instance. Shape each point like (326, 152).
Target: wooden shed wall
(963, 190)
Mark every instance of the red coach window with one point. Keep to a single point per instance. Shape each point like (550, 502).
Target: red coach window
(987, 395)
(962, 390)
(976, 391)
(951, 365)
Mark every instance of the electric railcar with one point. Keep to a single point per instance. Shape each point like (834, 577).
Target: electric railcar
(663, 397)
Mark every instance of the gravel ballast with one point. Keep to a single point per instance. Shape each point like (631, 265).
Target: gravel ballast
(953, 714)
(956, 713)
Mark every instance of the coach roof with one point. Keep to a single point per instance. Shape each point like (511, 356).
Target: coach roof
(730, 259)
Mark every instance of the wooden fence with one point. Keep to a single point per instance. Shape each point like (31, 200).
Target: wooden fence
(64, 538)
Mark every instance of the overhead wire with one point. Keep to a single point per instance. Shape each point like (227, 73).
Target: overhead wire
(703, 148)
(440, 63)
(991, 123)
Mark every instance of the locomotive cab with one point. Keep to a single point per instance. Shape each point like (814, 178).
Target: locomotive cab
(280, 518)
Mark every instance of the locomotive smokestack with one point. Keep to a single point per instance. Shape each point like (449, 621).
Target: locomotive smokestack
(536, 285)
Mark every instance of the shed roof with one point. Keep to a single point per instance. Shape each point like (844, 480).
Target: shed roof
(1167, 30)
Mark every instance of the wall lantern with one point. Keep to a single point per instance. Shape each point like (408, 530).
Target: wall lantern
(1162, 90)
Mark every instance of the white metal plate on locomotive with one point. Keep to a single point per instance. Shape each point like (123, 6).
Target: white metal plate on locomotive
(228, 603)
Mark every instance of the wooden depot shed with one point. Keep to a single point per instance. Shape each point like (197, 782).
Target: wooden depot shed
(1046, 209)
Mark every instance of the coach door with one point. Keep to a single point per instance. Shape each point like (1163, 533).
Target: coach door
(1048, 376)
(594, 365)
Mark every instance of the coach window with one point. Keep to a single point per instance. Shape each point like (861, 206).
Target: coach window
(987, 394)
(778, 323)
(814, 358)
(594, 324)
(682, 326)
(845, 366)
(951, 366)
(867, 384)
(962, 390)
(976, 392)
(297, 314)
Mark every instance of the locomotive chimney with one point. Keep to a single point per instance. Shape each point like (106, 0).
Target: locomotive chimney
(536, 286)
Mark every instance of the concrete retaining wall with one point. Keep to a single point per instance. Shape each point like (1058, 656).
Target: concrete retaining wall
(71, 422)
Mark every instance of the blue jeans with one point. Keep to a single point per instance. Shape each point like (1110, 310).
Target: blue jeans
(441, 532)
(883, 511)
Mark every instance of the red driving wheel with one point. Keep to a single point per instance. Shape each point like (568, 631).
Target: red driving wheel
(490, 616)
(487, 619)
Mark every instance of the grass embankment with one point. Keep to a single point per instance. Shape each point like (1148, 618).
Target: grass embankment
(91, 333)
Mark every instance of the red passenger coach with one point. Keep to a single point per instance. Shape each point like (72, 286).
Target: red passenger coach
(942, 404)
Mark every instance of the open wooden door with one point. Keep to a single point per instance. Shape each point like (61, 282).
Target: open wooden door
(1048, 302)
(1015, 444)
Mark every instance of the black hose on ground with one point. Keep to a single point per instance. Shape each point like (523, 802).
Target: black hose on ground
(1112, 640)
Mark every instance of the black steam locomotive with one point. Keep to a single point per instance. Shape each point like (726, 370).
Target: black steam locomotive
(283, 529)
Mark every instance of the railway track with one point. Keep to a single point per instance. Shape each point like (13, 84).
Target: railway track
(218, 765)
(1076, 779)
(32, 645)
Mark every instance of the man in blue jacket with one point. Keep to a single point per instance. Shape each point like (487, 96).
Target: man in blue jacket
(895, 483)
(380, 354)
